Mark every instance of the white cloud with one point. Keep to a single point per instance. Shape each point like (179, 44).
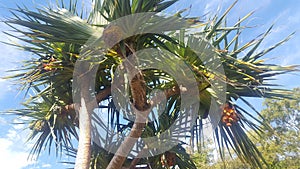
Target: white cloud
(46, 166)
(13, 153)
(6, 85)
(292, 56)
(3, 121)
(19, 122)
(239, 10)
(246, 5)
(212, 6)
(286, 23)
(10, 56)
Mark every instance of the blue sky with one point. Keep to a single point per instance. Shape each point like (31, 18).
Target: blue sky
(284, 14)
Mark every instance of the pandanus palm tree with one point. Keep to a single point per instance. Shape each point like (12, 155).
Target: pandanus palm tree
(60, 37)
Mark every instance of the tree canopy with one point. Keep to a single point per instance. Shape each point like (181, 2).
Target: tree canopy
(109, 43)
(278, 145)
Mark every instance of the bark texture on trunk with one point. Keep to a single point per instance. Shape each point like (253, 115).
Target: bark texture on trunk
(84, 145)
(126, 146)
(138, 91)
(83, 156)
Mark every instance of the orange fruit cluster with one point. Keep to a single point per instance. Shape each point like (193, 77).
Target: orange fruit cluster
(229, 115)
(49, 66)
(168, 159)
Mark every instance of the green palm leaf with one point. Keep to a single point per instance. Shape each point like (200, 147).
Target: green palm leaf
(56, 37)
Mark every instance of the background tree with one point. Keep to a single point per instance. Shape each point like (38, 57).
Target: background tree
(57, 36)
(279, 145)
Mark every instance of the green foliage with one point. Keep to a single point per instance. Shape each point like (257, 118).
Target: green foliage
(57, 36)
(203, 158)
(281, 146)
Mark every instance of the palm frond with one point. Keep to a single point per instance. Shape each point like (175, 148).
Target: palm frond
(56, 36)
(49, 123)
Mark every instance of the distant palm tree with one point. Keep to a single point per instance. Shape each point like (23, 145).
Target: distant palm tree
(57, 38)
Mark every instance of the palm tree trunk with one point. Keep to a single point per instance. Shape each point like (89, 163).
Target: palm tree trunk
(138, 91)
(126, 146)
(84, 145)
(83, 156)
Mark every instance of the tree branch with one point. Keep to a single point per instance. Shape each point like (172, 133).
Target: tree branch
(99, 97)
(141, 106)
